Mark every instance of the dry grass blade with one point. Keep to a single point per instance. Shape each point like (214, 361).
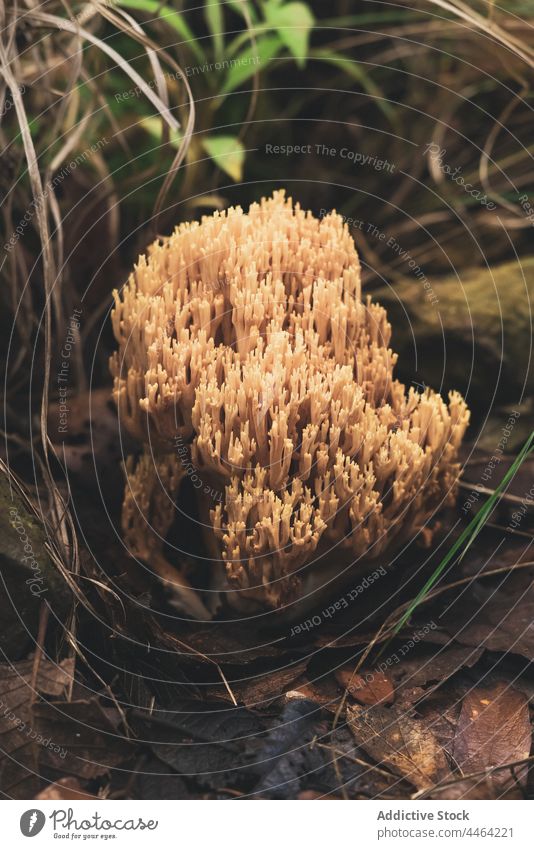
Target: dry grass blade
(128, 25)
(45, 20)
(49, 277)
(151, 53)
(482, 774)
(489, 27)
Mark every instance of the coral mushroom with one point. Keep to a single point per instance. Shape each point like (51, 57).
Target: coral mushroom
(249, 362)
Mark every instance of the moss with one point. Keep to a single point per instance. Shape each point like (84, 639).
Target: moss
(28, 575)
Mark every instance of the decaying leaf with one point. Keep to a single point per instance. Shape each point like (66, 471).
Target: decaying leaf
(288, 760)
(494, 729)
(90, 738)
(203, 739)
(419, 675)
(403, 744)
(64, 788)
(227, 644)
(368, 687)
(156, 780)
(466, 788)
(260, 690)
(22, 740)
(500, 618)
(322, 691)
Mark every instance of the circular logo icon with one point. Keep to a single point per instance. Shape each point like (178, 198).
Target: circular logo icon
(32, 822)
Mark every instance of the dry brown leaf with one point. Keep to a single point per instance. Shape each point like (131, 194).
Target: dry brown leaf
(368, 688)
(90, 737)
(403, 744)
(260, 690)
(323, 691)
(468, 788)
(63, 789)
(21, 738)
(417, 677)
(499, 619)
(52, 679)
(494, 729)
(227, 645)
(75, 738)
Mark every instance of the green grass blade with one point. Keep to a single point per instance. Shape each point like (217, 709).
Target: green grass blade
(246, 64)
(214, 17)
(468, 536)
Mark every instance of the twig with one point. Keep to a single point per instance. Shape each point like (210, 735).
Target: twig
(44, 614)
(421, 794)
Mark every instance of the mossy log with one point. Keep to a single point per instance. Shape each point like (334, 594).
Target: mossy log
(471, 332)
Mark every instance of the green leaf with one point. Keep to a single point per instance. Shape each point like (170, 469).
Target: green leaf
(171, 17)
(153, 127)
(241, 7)
(213, 14)
(246, 63)
(293, 22)
(228, 154)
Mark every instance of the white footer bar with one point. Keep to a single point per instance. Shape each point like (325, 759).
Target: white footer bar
(268, 825)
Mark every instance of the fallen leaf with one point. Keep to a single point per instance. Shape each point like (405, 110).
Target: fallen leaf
(202, 739)
(313, 795)
(323, 691)
(21, 738)
(464, 789)
(288, 760)
(404, 744)
(368, 687)
(440, 712)
(494, 729)
(88, 741)
(412, 675)
(63, 789)
(226, 644)
(158, 781)
(498, 617)
(263, 689)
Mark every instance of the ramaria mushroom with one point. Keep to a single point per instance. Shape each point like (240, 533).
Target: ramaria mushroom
(248, 359)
